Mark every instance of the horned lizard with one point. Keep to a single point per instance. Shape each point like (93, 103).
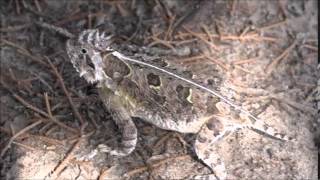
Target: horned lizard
(161, 93)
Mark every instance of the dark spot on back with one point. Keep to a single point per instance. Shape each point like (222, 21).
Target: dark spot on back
(201, 139)
(216, 133)
(214, 125)
(160, 99)
(132, 89)
(187, 74)
(210, 82)
(112, 65)
(160, 62)
(211, 104)
(183, 92)
(215, 82)
(153, 80)
(211, 125)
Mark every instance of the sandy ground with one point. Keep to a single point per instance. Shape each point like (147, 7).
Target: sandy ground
(270, 49)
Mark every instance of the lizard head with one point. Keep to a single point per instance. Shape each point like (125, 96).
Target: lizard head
(85, 52)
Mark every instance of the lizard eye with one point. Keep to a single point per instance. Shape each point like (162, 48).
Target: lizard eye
(83, 51)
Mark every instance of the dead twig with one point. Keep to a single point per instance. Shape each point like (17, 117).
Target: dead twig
(49, 140)
(243, 69)
(12, 44)
(32, 10)
(190, 12)
(245, 61)
(4, 150)
(52, 118)
(35, 109)
(84, 135)
(248, 37)
(169, 30)
(219, 63)
(233, 7)
(48, 105)
(24, 146)
(200, 36)
(156, 40)
(123, 12)
(270, 68)
(29, 106)
(310, 47)
(297, 105)
(62, 165)
(18, 9)
(36, 2)
(54, 28)
(104, 174)
(22, 84)
(66, 92)
(155, 165)
(161, 140)
(76, 16)
(15, 28)
(248, 91)
(263, 28)
(244, 32)
(190, 59)
(181, 42)
(206, 30)
(24, 52)
(181, 140)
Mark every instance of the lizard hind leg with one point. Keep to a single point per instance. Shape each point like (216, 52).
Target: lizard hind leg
(208, 137)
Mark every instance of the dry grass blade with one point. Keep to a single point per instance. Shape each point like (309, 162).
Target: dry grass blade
(24, 146)
(24, 52)
(298, 105)
(62, 165)
(155, 165)
(61, 82)
(190, 59)
(48, 104)
(276, 61)
(233, 7)
(15, 28)
(245, 61)
(4, 150)
(35, 109)
(273, 25)
(206, 30)
(221, 64)
(310, 47)
(54, 28)
(200, 36)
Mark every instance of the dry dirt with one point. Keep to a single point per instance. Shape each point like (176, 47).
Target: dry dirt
(270, 51)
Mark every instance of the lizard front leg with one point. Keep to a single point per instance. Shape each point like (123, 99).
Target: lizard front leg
(123, 120)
